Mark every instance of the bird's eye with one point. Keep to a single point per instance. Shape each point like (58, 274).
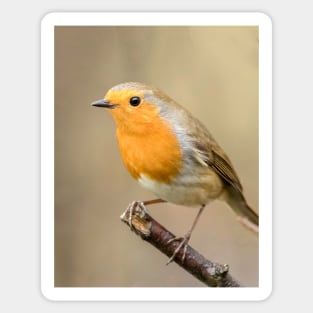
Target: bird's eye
(134, 101)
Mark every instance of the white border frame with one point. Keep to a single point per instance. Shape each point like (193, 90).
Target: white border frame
(47, 155)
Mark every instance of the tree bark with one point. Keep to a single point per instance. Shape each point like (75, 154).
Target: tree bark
(210, 273)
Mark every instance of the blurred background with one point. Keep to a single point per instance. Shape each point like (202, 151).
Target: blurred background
(213, 72)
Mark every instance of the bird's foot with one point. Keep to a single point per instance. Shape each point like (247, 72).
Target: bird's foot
(131, 210)
(183, 245)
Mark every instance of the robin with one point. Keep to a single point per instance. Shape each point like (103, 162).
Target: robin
(172, 154)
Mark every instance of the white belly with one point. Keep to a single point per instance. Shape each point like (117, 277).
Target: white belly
(187, 191)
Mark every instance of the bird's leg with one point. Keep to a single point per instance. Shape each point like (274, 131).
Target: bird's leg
(131, 209)
(185, 239)
(153, 201)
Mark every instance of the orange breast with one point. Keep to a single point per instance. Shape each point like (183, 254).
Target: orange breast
(155, 152)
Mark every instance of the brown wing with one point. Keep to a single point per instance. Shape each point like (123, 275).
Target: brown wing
(212, 155)
(222, 165)
(206, 150)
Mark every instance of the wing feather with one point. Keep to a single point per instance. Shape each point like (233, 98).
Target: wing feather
(212, 155)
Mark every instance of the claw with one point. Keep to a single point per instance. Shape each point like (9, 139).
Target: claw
(184, 244)
(131, 209)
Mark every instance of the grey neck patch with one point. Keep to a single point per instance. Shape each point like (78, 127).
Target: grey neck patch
(176, 117)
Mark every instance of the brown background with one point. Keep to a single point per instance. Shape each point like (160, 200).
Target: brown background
(213, 72)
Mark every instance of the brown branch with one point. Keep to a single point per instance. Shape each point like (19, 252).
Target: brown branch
(210, 273)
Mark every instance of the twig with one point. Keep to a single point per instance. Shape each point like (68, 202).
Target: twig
(210, 273)
(252, 227)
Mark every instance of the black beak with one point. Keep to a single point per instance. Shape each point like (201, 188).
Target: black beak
(103, 103)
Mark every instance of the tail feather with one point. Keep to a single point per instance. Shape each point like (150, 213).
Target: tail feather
(238, 203)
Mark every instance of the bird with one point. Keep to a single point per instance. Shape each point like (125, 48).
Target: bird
(171, 153)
